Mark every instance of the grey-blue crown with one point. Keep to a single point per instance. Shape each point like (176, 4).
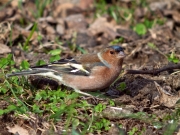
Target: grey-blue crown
(117, 48)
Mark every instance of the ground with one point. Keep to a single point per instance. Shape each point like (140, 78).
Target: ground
(34, 33)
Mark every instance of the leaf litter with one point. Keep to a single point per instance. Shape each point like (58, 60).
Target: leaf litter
(146, 99)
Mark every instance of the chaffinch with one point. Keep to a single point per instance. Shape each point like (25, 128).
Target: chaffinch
(87, 72)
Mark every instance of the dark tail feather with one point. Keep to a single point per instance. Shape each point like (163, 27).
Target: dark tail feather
(33, 71)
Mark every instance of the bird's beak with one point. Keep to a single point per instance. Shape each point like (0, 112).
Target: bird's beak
(121, 54)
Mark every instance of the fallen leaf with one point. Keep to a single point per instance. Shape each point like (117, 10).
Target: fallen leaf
(128, 34)
(159, 5)
(175, 15)
(5, 28)
(158, 31)
(166, 98)
(4, 49)
(76, 22)
(85, 4)
(101, 25)
(85, 39)
(17, 130)
(62, 9)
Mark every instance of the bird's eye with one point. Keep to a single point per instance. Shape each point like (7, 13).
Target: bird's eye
(111, 52)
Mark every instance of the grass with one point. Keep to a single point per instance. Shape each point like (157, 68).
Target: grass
(41, 7)
(123, 14)
(58, 105)
(25, 46)
(66, 107)
(63, 106)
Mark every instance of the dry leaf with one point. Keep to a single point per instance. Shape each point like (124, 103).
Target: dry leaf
(101, 25)
(4, 49)
(158, 32)
(5, 28)
(76, 22)
(17, 129)
(175, 14)
(128, 34)
(159, 5)
(85, 39)
(166, 98)
(62, 9)
(85, 4)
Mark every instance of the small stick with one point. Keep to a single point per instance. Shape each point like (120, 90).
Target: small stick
(155, 71)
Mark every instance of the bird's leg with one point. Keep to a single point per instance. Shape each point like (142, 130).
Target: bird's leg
(83, 93)
(89, 95)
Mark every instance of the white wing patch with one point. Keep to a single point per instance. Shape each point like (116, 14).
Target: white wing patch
(52, 75)
(74, 71)
(79, 67)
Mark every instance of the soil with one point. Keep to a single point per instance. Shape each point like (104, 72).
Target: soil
(152, 94)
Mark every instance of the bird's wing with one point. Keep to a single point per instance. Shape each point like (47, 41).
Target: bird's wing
(78, 65)
(69, 66)
(75, 66)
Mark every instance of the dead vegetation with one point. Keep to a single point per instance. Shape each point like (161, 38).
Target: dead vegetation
(148, 30)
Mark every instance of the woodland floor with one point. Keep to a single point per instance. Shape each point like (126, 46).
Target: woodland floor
(144, 104)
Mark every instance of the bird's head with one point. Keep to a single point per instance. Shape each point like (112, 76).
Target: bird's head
(115, 51)
(112, 55)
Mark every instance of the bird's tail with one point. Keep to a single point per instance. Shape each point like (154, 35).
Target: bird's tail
(33, 71)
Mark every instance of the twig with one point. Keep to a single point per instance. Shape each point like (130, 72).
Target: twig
(154, 71)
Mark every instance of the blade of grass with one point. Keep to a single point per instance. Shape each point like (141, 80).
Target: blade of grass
(30, 35)
(8, 84)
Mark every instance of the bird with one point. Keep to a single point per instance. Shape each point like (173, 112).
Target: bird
(86, 72)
